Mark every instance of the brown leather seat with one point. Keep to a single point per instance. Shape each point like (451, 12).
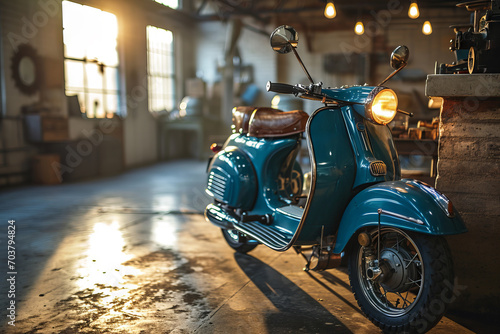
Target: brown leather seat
(241, 119)
(269, 122)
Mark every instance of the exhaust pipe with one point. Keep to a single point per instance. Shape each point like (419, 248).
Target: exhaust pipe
(220, 217)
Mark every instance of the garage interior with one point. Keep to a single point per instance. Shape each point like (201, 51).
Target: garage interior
(108, 109)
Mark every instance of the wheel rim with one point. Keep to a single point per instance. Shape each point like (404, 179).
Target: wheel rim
(397, 293)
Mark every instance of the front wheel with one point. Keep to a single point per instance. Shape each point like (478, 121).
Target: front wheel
(407, 291)
(237, 241)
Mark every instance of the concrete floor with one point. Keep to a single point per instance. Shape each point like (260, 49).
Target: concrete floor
(133, 254)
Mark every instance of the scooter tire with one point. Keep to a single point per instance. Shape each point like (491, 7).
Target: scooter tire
(432, 264)
(237, 242)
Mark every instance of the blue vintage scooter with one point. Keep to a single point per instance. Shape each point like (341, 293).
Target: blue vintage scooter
(357, 210)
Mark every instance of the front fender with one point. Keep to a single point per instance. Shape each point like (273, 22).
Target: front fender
(424, 205)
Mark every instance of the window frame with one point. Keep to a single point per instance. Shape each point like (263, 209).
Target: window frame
(86, 90)
(171, 59)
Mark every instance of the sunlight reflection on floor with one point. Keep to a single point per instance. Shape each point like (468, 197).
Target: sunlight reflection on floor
(102, 267)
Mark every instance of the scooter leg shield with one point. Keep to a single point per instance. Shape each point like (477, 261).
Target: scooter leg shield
(407, 204)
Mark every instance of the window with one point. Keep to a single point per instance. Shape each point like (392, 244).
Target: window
(161, 70)
(169, 3)
(91, 59)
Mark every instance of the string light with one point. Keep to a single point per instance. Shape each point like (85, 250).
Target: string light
(413, 11)
(359, 28)
(427, 28)
(330, 11)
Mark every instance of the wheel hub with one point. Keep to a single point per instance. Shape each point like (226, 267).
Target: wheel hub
(401, 267)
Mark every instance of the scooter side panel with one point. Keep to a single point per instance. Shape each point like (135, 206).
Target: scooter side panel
(266, 155)
(232, 179)
(250, 166)
(333, 173)
(426, 208)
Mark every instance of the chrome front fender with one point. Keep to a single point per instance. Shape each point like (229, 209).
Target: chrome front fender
(407, 204)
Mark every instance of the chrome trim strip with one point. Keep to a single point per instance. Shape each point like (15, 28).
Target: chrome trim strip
(267, 239)
(397, 215)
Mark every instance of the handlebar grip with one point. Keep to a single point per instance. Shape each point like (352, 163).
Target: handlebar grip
(282, 88)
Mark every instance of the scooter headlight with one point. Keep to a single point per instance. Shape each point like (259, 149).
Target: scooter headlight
(382, 105)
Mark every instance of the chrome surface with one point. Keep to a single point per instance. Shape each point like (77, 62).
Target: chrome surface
(399, 57)
(373, 272)
(378, 168)
(284, 39)
(369, 101)
(234, 235)
(291, 210)
(397, 215)
(397, 293)
(217, 185)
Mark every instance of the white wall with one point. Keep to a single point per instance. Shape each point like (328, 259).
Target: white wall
(254, 50)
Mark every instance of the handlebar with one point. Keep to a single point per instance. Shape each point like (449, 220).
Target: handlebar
(313, 92)
(282, 88)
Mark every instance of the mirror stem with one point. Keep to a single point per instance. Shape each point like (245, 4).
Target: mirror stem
(410, 114)
(302, 64)
(392, 74)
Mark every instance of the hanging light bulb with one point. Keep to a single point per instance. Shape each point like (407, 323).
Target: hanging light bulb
(427, 28)
(413, 12)
(330, 11)
(359, 28)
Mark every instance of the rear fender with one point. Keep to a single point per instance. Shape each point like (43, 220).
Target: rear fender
(407, 204)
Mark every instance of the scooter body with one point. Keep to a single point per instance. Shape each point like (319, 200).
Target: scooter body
(355, 171)
(389, 230)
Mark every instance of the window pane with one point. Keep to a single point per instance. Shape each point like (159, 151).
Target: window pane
(73, 74)
(111, 74)
(161, 68)
(170, 3)
(90, 48)
(111, 103)
(95, 105)
(94, 76)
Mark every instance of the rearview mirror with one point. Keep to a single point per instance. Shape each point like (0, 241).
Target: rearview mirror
(284, 38)
(399, 57)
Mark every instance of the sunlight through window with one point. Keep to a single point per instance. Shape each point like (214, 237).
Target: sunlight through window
(170, 3)
(161, 69)
(91, 58)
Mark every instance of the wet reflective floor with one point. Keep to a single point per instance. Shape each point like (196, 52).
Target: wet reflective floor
(133, 254)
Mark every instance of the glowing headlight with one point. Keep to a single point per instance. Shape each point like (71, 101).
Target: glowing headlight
(383, 105)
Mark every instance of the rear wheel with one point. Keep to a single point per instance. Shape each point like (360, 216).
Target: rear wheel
(238, 241)
(409, 289)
